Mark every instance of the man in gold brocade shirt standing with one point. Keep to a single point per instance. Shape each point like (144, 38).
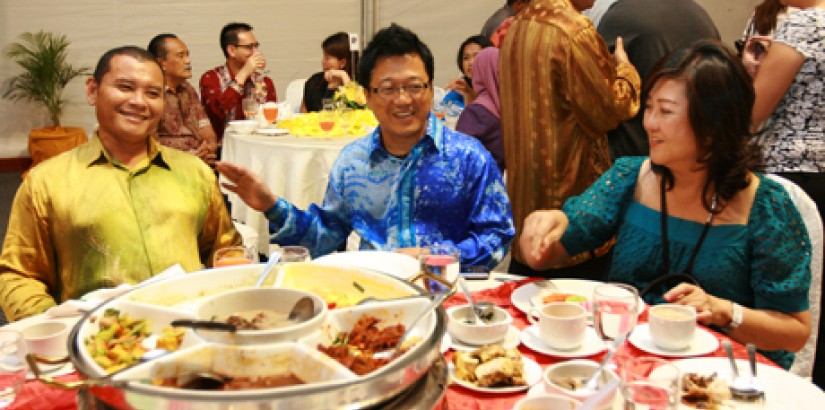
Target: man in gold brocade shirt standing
(561, 91)
(117, 209)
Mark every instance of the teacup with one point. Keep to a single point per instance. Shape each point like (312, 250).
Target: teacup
(672, 327)
(47, 338)
(561, 325)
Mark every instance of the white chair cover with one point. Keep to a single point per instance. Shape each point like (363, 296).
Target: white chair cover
(804, 362)
(295, 93)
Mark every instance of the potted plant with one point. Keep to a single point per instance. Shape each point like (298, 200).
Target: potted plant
(42, 56)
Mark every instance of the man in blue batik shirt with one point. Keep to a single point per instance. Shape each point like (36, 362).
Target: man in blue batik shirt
(410, 184)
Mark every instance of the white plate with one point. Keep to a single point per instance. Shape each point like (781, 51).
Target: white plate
(592, 344)
(522, 296)
(272, 131)
(392, 263)
(783, 390)
(703, 343)
(510, 341)
(532, 375)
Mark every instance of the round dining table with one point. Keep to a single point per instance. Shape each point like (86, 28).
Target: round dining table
(295, 168)
(498, 289)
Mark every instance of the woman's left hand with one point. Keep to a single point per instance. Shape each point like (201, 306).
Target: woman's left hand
(704, 303)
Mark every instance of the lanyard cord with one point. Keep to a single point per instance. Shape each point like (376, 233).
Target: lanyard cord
(666, 242)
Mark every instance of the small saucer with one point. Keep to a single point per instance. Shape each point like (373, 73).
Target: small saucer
(592, 344)
(510, 341)
(532, 375)
(272, 131)
(703, 343)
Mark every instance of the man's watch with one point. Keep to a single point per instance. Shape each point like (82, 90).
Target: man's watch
(736, 318)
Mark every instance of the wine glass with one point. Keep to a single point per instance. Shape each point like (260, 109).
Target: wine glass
(345, 118)
(440, 261)
(270, 110)
(615, 310)
(250, 108)
(294, 254)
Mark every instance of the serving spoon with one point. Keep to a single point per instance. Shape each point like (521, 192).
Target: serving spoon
(390, 353)
(274, 257)
(483, 312)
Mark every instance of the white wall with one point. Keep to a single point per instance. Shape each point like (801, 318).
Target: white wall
(290, 32)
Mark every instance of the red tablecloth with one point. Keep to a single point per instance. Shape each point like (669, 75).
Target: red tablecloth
(38, 396)
(460, 398)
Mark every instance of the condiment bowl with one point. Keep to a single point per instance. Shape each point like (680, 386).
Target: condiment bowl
(243, 126)
(546, 402)
(280, 300)
(461, 325)
(581, 370)
(47, 338)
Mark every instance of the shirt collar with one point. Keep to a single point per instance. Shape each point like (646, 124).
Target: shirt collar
(94, 153)
(433, 137)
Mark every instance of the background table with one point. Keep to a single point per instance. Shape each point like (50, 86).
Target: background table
(294, 168)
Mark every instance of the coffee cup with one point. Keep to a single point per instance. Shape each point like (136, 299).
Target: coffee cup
(561, 325)
(47, 338)
(672, 327)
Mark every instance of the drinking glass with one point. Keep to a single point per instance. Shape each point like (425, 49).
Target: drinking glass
(270, 110)
(12, 365)
(650, 383)
(345, 119)
(250, 108)
(615, 307)
(233, 255)
(440, 261)
(326, 117)
(294, 254)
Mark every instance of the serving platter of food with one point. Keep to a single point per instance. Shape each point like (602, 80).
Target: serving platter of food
(110, 346)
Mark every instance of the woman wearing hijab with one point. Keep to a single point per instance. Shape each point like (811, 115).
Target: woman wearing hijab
(482, 118)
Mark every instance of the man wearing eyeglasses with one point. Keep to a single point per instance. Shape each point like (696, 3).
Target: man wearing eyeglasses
(409, 184)
(224, 87)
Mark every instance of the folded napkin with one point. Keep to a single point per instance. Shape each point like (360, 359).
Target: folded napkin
(91, 300)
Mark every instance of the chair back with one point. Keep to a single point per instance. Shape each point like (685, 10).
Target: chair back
(804, 361)
(295, 93)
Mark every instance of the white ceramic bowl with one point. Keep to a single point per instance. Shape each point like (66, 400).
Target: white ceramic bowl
(276, 299)
(546, 402)
(460, 327)
(47, 338)
(580, 369)
(243, 126)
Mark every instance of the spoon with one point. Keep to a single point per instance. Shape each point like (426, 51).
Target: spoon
(741, 388)
(205, 324)
(390, 353)
(303, 310)
(476, 313)
(758, 392)
(592, 384)
(596, 399)
(274, 257)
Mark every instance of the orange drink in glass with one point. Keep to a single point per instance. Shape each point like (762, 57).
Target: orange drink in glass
(233, 255)
(271, 112)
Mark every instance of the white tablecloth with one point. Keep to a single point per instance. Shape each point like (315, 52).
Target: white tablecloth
(295, 168)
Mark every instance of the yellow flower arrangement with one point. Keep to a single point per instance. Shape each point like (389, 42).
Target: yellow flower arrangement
(351, 95)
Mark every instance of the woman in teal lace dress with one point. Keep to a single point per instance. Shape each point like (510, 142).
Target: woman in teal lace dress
(696, 193)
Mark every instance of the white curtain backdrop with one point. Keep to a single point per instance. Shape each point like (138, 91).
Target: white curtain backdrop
(290, 32)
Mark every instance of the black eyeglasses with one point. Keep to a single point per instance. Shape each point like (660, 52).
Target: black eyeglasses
(249, 46)
(413, 90)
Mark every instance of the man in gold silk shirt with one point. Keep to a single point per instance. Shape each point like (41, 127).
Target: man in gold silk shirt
(117, 209)
(561, 91)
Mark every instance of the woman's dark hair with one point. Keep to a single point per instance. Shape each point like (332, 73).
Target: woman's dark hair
(337, 45)
(482, 42)
(720, 103)
(764, 16)
(391, 42)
